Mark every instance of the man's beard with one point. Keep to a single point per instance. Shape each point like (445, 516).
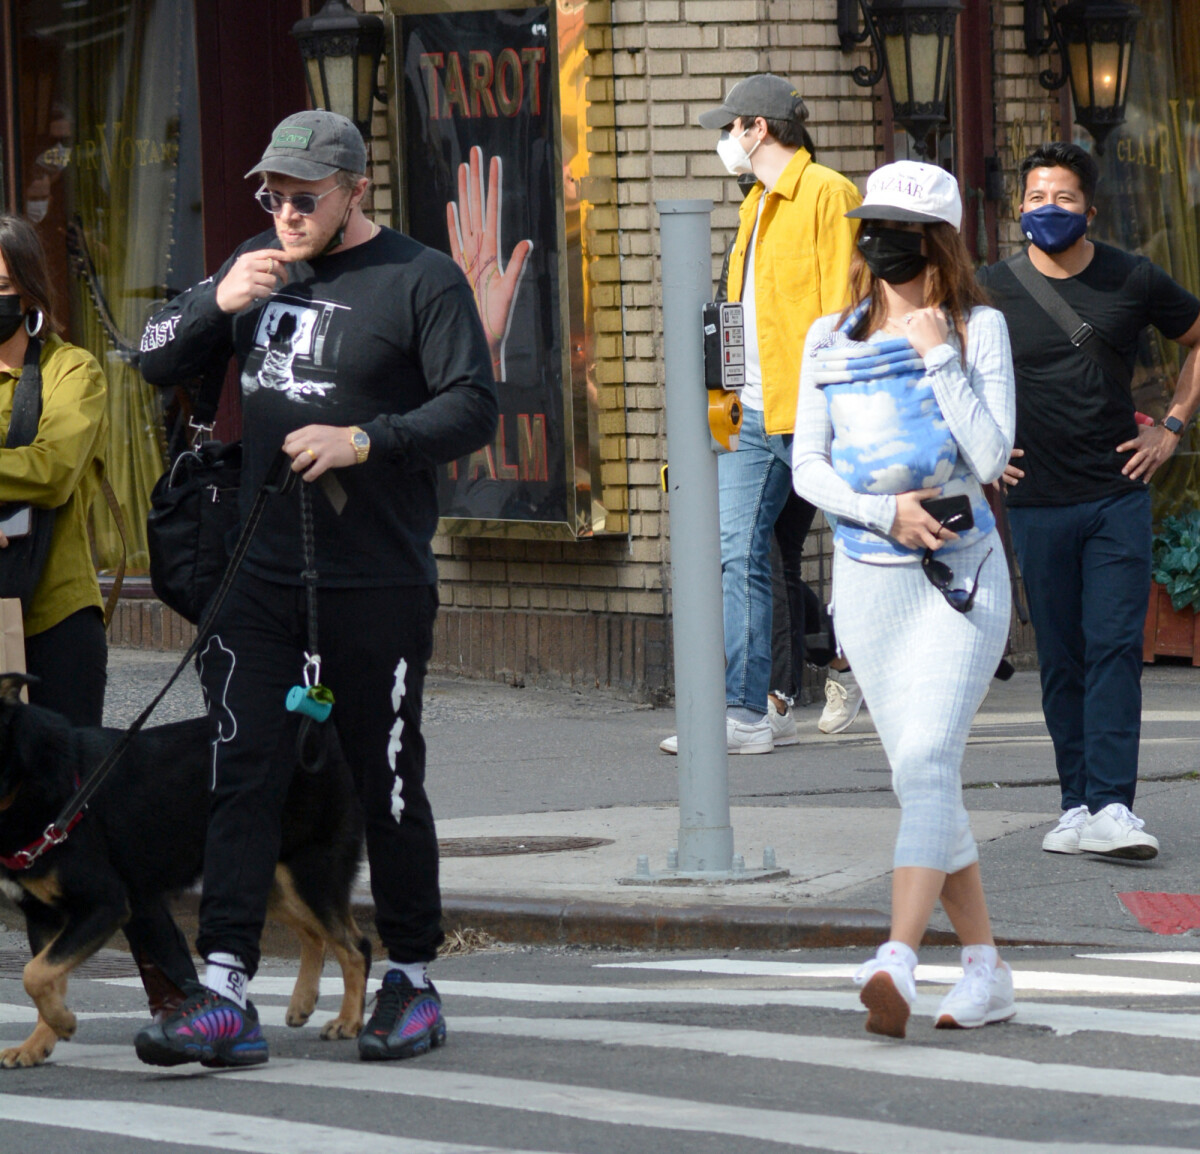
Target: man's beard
(316, 244)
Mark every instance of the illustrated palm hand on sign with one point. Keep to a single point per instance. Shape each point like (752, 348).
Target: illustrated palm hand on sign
(474, 227)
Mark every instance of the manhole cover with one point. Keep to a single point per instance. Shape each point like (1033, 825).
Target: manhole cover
(502, 846)
(105, 964)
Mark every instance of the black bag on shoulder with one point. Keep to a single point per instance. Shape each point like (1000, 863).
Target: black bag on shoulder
(21, 563)
(193, 516)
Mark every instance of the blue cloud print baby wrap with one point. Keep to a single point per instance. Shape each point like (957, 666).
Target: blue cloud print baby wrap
(889, 435)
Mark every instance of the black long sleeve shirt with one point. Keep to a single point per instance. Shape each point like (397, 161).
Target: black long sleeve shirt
(384, 335)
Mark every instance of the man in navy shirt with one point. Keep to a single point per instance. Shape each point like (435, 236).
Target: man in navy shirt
(1078, 489)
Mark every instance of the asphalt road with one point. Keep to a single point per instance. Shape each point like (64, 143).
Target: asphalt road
(608, 1053)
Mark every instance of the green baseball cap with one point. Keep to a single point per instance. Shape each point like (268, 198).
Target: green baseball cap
(313, 145)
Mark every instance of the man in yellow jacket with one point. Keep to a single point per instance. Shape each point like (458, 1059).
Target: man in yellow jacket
(790, 264)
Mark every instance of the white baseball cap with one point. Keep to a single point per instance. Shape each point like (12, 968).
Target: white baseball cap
(910, 190)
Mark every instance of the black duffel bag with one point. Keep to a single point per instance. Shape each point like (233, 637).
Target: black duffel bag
(192, 525)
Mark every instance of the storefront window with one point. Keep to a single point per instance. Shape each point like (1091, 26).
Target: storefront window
(1148, 200)
(110, 173)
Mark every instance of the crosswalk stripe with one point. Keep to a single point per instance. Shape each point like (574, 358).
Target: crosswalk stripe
(1048, 980)
(1166, 957)
(184, 1126)
(1061, 1019)
(872, 1057)
(616, 1107)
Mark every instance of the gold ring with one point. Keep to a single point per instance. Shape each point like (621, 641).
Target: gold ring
(311, 454)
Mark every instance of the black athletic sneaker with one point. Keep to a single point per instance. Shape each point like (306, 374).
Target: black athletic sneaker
(405, 1022)
(207, 1028)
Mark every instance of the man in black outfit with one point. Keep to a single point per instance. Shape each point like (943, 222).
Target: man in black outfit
(361, 352)
(1080, 513)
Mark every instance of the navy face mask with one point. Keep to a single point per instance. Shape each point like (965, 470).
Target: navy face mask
(1053, 229)
(12, 313)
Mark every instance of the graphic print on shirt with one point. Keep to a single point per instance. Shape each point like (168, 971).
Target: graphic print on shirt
(290, 354)
(396, 738)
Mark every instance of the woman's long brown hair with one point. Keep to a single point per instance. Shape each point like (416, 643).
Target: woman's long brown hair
(25, 260)
(950, 282)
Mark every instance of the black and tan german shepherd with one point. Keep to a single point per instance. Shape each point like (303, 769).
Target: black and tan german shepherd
(142, 839)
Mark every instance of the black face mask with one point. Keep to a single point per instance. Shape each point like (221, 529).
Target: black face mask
(12, 313)
(892, 254)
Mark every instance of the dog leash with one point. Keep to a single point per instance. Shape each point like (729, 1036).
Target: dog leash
(279, 481)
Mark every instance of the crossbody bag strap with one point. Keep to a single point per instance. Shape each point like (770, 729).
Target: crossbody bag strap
(1079, 332)
(114, 507)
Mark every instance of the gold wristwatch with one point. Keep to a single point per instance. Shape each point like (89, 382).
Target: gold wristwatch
(361, 443)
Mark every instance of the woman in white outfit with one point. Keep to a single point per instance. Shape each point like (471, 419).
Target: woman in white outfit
(891, 414)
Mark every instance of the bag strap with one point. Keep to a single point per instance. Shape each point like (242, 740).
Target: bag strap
(205, 401)
(27, 399)
(114, 507)
(1079, 332)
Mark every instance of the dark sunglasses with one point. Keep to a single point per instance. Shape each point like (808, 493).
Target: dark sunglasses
(941, 577)
(305, 203)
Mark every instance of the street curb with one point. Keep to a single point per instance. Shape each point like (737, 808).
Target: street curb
(556, 921)
(645, 925)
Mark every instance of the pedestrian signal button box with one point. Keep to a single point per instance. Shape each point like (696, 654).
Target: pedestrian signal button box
(724, 345)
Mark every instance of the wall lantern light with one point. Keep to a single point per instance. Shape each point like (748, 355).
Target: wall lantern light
(341, 50)
(913, 42)
(1094, 42)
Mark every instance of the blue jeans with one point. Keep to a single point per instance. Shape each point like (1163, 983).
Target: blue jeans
(754, 484)
(1087, 578)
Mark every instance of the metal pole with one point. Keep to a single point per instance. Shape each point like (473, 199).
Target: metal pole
(705, 834)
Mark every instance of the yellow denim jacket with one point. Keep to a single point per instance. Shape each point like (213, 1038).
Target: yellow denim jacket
(802, 254)
(61, 470)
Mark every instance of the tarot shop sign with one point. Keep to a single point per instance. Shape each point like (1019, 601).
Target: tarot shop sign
(482, 185)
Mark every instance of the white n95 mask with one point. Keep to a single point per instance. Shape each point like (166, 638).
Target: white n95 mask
(733, 155)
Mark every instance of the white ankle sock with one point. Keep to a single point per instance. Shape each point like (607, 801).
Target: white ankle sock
(226, 975)
(899, 952)
(985, 956)
(416, 972)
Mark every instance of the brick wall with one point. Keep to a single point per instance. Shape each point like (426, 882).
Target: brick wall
(596, 612)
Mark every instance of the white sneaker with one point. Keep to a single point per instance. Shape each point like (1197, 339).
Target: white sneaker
(783, 725)
(739, 738)
(843, 700)
(1064, 837)
(982, 996)
(888, 991)
(1116, 832)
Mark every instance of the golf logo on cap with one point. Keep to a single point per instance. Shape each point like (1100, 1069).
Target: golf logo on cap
(292, 138)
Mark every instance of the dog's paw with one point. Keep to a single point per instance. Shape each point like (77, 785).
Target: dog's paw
(297, 1017)
(337, 1028)
(24, 1056)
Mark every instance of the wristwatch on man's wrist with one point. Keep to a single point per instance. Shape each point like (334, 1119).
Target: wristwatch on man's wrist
(361, 443)
(1173, 425)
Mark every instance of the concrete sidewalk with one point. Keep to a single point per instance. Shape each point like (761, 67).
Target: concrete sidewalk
(521, 764)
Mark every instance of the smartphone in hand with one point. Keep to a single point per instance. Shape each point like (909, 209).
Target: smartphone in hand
(953, 513)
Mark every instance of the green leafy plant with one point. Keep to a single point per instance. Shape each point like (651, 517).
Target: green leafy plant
(1176, 559)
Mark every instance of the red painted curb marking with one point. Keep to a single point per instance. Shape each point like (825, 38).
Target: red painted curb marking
(1164, 913)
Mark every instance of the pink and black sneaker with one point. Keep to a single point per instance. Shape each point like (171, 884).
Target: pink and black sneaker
(406, 1021)
(207, 1028)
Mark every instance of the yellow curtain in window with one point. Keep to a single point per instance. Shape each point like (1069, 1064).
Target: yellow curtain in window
(1149, 200)
(125, 92)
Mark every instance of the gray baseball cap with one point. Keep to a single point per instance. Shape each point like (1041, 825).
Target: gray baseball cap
(765, 95)
(312, 146)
